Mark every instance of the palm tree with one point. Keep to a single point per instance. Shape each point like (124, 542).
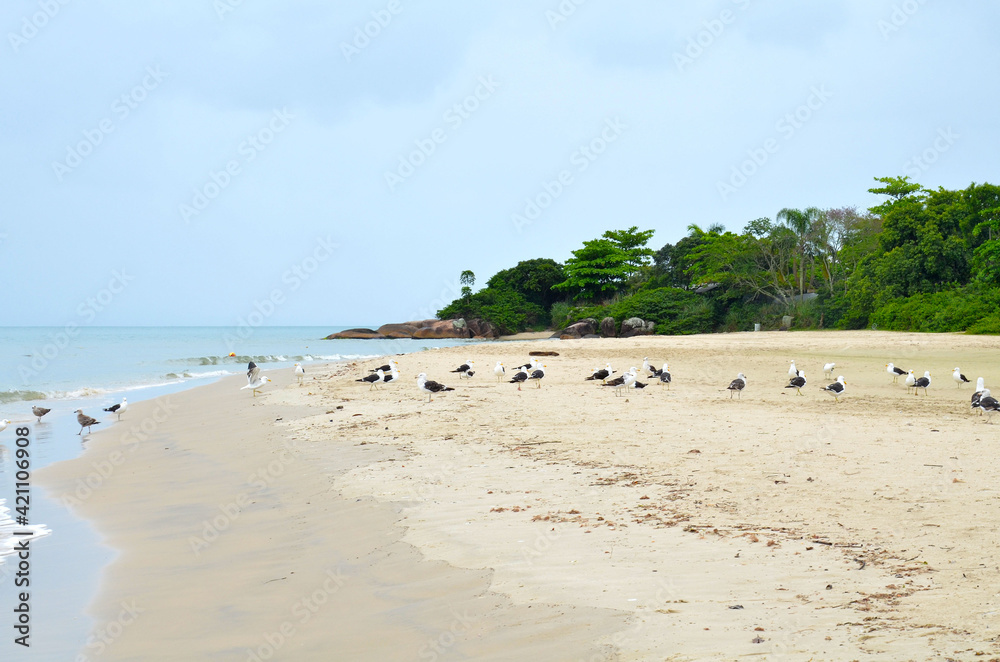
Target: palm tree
(804, 223)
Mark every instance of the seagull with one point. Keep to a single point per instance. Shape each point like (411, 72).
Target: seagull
(5, 422)
(837, 388)
(468, 369)
(530, 365)
(989, 404)
(980, 389)
(664, 375)
(894, 372)
(828, 369)
(255, 381)
(391, 377)
(650, 369)
(959, 378)
(922, 382)
(624, 381)
(430, 387)
(85, 421)
(911, 379)
(119, 408)
(388, 367)
(792, 370)
(737, 385)
(39, 412)
(300, 372)
(373, 379)
(537, 375)
(797, 382)
(601, 373)
(520, 376)
(498, 370)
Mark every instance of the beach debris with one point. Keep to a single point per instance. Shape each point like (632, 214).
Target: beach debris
(119, 408)
(542, 353)
(84, 421)
(758, 640)
(39, 412)
(736, 606)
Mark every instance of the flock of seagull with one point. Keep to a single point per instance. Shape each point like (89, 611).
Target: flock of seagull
(81, 418)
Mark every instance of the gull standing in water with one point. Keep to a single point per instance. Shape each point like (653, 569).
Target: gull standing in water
(39, 412)
(85, 421)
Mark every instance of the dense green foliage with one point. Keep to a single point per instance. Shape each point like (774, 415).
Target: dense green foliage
(921, 260)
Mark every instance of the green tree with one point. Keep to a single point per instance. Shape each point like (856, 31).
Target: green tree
(468, 280)
(600, 267)
(804, 223)
(533, 279)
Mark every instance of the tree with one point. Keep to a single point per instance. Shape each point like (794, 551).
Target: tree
(803, 222)
(600, 266)
(633, 243)
(533, 279)
(467, 279)
(896, 188)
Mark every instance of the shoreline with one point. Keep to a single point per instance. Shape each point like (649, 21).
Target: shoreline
(564, 501)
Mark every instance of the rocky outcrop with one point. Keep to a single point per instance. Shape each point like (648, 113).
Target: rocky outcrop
(443, 329)
(608, 327)
(356, 334)
(635, 326)
(423, 330)
(585, 327)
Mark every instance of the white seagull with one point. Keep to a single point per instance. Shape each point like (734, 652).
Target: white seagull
(601, 374)
(922, 382)
(894, 372)
(737, 386)
(255, 380)
(911, 379)
(430, 387)
(837, 388)
(959, 378)
(537, 375)
(828, 369)
(391, 377)
(300, 372)
(989, 404)
(468, 369)
(792, 370)
(980, 389)
(665, 375)
(797, 382)
(119, 408)
(520, 376)
(4, 423)
(373, 379)
(498, 370)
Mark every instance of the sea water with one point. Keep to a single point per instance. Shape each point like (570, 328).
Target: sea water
(91, 368)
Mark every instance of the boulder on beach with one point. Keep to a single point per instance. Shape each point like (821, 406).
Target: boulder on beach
(398, 330)
(480, 328)
(443, 329)
(635, 326)
(356, 334)
(577, 330)
(608, 327)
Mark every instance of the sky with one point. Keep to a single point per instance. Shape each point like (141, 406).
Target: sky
(309, 163)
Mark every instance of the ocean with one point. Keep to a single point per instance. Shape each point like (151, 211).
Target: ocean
(91, 368)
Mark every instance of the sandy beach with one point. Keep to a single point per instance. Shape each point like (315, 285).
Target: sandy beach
(326, 521)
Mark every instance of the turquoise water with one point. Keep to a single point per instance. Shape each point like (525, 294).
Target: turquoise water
(92, 368)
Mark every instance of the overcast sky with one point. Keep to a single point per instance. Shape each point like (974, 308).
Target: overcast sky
(180, 162)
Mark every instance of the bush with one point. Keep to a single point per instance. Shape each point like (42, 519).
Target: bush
(953, 310)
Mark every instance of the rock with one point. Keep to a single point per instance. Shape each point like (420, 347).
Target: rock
(443, 329)
(356, 334)
(585, 327)
(398, 330)
(608, 327)
(539, 352)
(480, 328)
(635, 326)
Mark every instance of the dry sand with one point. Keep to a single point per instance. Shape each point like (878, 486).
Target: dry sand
(562, 523)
